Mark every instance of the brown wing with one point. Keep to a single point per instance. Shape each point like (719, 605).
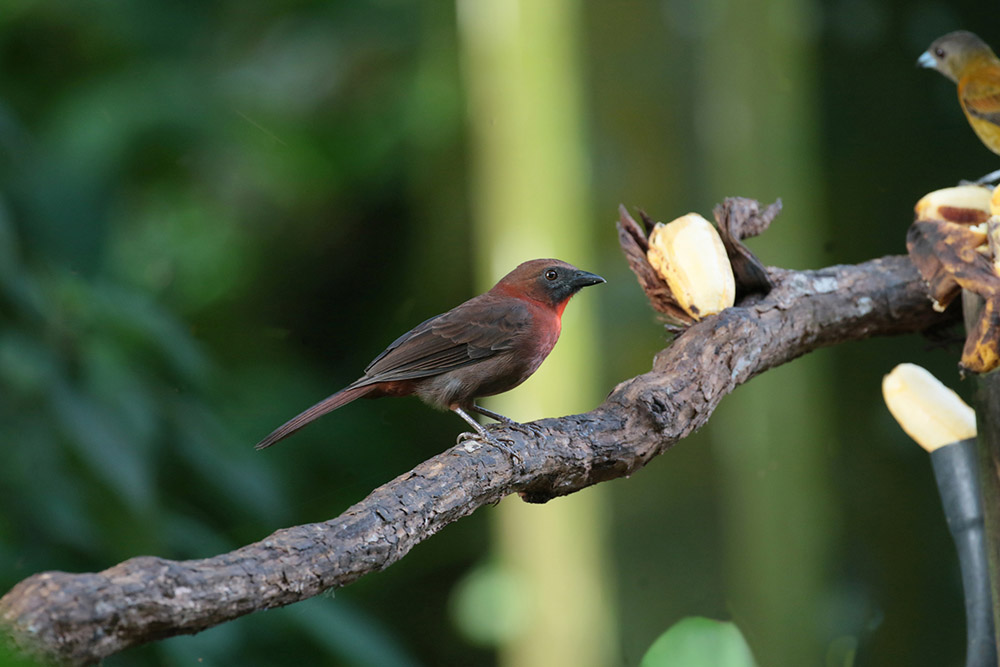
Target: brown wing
(476, 330)
(980, 94)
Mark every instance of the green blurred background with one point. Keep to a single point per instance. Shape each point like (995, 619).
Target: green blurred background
(213, 214)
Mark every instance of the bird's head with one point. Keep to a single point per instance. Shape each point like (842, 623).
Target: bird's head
(954, 53)
(549, 281)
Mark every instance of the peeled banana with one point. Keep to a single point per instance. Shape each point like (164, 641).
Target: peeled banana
(929, 412)
(689, 255)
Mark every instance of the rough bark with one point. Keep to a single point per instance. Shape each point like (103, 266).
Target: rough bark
(81, 618)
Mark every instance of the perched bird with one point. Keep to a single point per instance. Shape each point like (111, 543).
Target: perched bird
(485, 346)
(968, 61)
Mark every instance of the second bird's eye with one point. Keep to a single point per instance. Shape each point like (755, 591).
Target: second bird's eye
(939, 52)
(551, 274)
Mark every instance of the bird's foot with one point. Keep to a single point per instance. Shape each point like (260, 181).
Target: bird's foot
(494, 441)
(989, 180)
(528, 429)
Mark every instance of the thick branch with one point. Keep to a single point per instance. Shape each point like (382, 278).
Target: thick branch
(80, 618)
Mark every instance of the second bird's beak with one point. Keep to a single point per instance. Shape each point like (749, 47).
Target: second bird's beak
(926, 59)
(585, 278)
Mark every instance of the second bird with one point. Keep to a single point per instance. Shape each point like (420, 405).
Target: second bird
(485, 346)
(970, 62)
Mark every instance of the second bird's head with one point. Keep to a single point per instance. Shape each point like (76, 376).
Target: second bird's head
(954, 53)
(550, 281)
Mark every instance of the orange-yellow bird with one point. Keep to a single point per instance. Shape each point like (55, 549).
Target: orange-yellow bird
(968, 61)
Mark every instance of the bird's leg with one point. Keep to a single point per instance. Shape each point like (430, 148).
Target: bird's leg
(991, 178)
(485, 435)
(529, 429)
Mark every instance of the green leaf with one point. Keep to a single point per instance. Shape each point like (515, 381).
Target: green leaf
(98, 437)
(696, 641)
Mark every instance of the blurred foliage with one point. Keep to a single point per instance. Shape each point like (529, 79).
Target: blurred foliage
(181, 184)
(213, 214)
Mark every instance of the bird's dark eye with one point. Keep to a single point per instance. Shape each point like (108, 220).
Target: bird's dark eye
(939, 52)
(551, 274)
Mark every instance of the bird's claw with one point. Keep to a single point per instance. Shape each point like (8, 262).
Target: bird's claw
(465, 435)
(500, 443)
(530, 428)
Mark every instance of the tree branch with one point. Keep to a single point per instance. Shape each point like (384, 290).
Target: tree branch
(81, 618)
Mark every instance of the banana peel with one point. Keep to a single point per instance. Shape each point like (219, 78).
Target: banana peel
(953, 244)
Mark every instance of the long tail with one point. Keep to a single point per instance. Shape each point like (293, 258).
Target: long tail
(342, 397)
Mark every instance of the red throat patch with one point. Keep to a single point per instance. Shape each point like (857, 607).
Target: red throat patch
(560, 308)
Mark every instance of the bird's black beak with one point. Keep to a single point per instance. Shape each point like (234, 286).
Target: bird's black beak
(585, 278)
